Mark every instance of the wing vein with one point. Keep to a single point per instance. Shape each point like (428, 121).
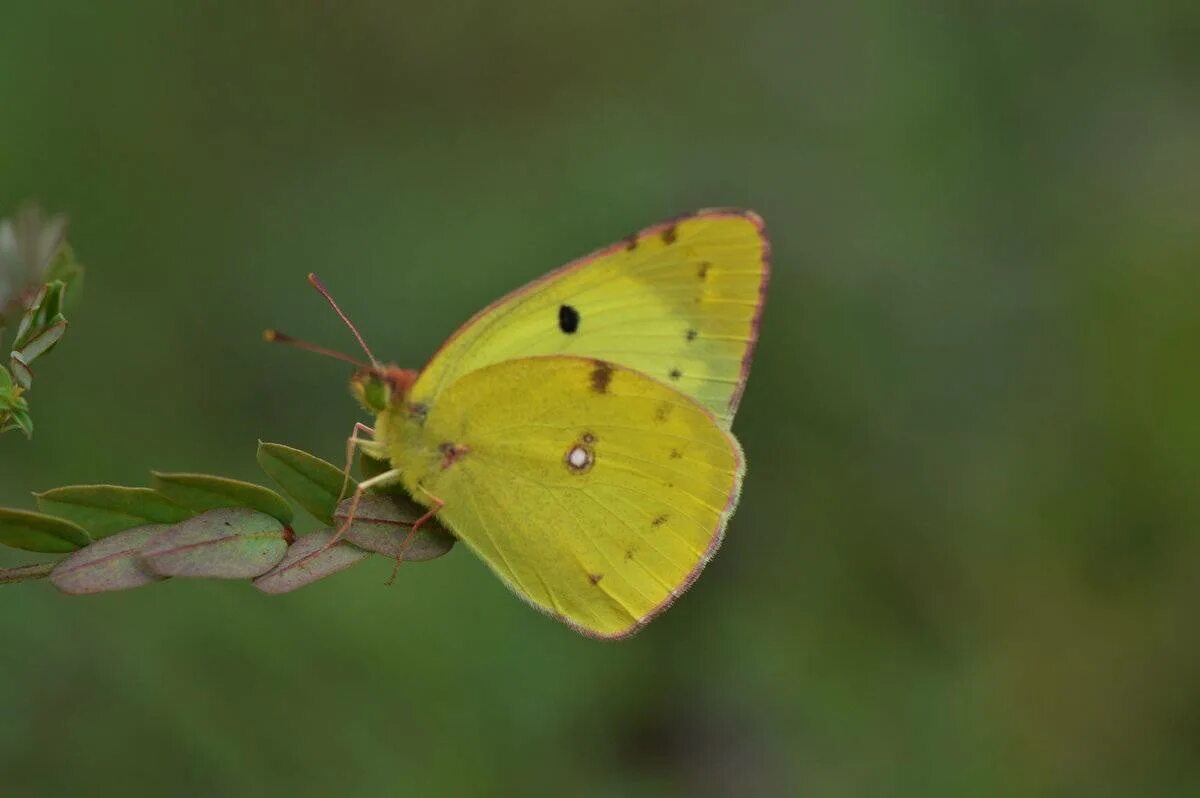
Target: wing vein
(487, 531)
(600, 584)
(643, 539)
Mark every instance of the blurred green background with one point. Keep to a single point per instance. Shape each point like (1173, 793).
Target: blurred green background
(966, 561)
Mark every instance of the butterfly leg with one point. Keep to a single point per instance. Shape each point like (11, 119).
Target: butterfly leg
(380, 479)
(438, 504)
(351, 444)
(359, 490)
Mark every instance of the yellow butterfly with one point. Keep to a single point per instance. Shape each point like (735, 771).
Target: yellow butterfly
(575, 433)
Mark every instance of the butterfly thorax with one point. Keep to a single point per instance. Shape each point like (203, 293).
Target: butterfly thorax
(400, 434)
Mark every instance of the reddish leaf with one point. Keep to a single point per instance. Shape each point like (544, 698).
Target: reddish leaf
(308, 560)
(381, 524)
(110, 564)
(228, 543)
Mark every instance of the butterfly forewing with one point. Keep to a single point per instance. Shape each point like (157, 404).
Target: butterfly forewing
(679, 301)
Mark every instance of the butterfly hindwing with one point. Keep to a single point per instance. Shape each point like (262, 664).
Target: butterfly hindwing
(679, 302)
(597, 497)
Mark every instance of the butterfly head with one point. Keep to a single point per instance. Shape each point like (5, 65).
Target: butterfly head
(379, 387)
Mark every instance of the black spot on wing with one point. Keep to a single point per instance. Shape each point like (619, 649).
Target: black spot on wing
(670, 234)
(631, 242)
(691, 334)
(675, 374)
(568, 319)
(595, 578)
(702, 270)
(676, 454)
(659, 520)
(601, 376)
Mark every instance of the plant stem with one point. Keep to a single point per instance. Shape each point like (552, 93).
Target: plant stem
(25, 573)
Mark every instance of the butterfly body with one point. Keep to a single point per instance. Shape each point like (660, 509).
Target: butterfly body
(575, 434)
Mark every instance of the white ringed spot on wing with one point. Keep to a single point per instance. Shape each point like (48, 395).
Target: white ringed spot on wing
(581, 456)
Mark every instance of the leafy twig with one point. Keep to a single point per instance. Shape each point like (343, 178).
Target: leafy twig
(36, 268)
(26, 573)
(201, 526)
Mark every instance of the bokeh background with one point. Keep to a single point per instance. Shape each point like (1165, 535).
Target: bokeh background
(967, 556)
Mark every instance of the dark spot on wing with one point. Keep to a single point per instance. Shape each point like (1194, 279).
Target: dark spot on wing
(675, 374)
(588, 438)
(601, 376)
(676, 454)
(670, 234)
(451, 453)
(629, 554)
(631, 242)
(595, 578)
(662, 412)
(702, 270)
(691, 334)
(659, 520)
(568, 319)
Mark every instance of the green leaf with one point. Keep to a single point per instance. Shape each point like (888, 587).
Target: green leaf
(64, 268)
(52, 304)
(18, 419)
(42, 342)
(114, 563)
(36, 532)
(42, 313)
(29, 317)
(21, 371)
(14, 410)
(228, 543)
(313, 483)
(200, 492)
(105, 509)
(382, 525)
(308, 560)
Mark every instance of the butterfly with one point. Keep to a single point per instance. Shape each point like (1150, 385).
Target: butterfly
(575, 434)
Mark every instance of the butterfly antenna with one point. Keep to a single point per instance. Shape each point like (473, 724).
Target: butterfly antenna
(276, 337)
(323, 291)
